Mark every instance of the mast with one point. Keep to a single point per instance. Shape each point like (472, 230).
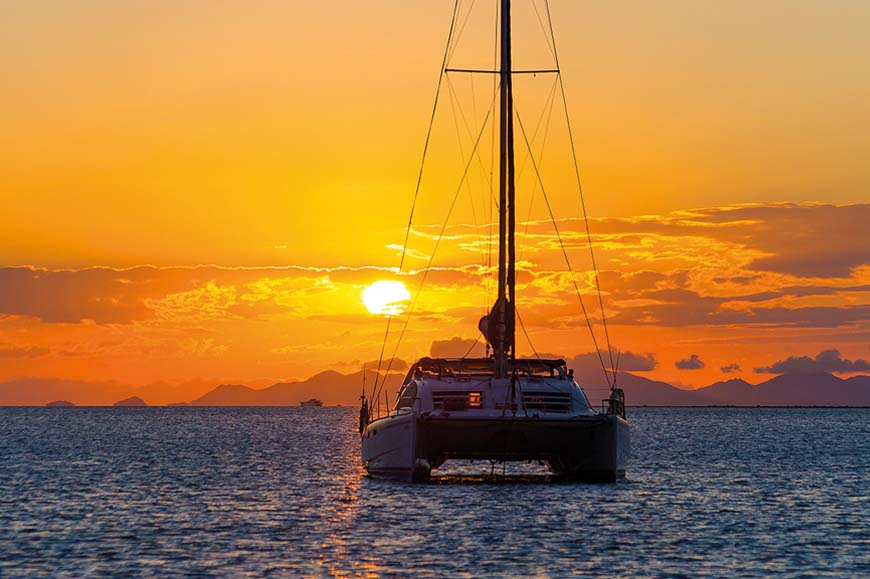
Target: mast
(505, 342)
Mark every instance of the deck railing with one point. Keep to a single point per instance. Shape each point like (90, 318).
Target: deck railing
(615, 404)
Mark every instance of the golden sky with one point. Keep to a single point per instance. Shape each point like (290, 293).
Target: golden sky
(202, 190)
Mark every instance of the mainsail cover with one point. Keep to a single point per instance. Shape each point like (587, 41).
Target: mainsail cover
(498, 324)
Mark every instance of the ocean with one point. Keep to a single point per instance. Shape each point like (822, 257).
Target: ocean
(279, 492)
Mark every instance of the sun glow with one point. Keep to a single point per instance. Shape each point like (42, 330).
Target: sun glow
(386, 297)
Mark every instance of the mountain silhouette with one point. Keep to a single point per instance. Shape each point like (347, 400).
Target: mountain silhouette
(806, 389)
(640, 391)
(131, 401)
(785, 390)
(331, 387)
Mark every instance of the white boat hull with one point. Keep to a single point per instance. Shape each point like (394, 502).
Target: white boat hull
(586, 448)
(389, 447)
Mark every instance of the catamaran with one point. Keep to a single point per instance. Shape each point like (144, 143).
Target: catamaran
(502, 407)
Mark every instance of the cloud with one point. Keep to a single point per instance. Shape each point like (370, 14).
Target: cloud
(28, 352)
(692, 363)
(394, 364)
(828, 361)
(590, 363)
(631, 362)
(801, 239)
(457, 347)
(627, 361)
(730, 368)
(753, 265)
(810, 240)
(677, 308)
(122, 296)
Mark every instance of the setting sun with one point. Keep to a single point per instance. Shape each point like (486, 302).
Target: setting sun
(386, 297)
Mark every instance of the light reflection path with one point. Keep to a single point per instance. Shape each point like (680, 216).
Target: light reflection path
(339, 556)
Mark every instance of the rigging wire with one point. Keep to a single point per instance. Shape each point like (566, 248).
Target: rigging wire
(457, 105)
(564, 251)
(548, 112)
(454, 96)
(580, 189)
(534, 351)
(468, 351)
(441, 74)
(449, 51)
(550, 45)
(453, 105)
(490, 282)
(526, 334)
(461, 28)
(487, 174)
(438, 240)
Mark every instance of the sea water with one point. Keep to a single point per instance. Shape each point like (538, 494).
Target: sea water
(279, 492)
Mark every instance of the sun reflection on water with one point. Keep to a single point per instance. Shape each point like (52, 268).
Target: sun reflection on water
(340, 557)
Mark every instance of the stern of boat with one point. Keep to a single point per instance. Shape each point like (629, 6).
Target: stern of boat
(603, 458)
(389, 449)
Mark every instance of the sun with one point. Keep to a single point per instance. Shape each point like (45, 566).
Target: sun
(386, 297)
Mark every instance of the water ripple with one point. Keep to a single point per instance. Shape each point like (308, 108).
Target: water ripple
(256, 492)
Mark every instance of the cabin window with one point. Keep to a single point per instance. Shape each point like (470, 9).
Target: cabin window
(407, 396)
(457, 400)
(474, 400)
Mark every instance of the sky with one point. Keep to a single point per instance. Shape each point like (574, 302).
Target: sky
(201, 191)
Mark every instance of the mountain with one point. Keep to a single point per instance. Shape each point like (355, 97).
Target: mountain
(334, 388)
(640, 391)
(729, 392)
(810, 389)
(131, 401)
(331, 387)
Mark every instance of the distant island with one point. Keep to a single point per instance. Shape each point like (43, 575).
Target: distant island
(133, 401)
(61, 404)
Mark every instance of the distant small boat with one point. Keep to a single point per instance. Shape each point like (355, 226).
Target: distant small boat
(312, 402)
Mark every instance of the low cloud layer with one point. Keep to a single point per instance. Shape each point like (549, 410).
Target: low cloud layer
(591, 363)
(10, 352)
(457, 348)
(829, 361)
(691, 363)
(709, 280)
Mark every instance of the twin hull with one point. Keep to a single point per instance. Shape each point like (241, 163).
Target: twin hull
(406, 446)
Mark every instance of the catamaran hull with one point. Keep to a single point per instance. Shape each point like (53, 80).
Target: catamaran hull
(586, 448)
(389, 448)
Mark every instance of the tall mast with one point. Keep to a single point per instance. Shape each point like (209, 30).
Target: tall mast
(505, 343)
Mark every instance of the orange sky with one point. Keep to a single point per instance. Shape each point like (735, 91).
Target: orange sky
(201, 191)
